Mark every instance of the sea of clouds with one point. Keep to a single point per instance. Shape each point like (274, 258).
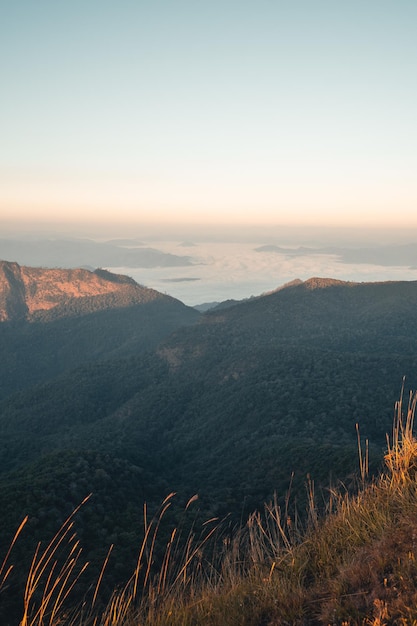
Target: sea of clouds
(223, 271)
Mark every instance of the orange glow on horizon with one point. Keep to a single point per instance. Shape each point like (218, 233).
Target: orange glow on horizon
(105, 199)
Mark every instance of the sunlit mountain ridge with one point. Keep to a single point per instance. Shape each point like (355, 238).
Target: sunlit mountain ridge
(32, 292)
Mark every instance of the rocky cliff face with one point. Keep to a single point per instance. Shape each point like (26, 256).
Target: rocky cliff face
(25, 292)
(12, 292)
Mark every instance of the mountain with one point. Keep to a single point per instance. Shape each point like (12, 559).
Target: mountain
(387, 255)
(57, 319)
(248, 400)
(38, 293)
(207, 306)
(300, 365)
(70, 253)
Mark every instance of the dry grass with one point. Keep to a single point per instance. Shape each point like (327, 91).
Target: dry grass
(356, 565)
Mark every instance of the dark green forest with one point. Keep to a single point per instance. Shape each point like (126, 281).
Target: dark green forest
(233, 405)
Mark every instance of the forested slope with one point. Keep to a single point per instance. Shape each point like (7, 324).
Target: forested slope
(242, 403)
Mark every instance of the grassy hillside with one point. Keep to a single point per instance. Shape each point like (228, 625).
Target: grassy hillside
(353, 565)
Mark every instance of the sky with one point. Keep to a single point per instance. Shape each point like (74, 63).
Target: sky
(298, 113)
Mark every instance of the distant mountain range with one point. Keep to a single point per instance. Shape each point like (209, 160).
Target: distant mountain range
(140, 398)
(69, 253)
(401, 255)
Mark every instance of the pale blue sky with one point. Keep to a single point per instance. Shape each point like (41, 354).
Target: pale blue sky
(297, 112)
